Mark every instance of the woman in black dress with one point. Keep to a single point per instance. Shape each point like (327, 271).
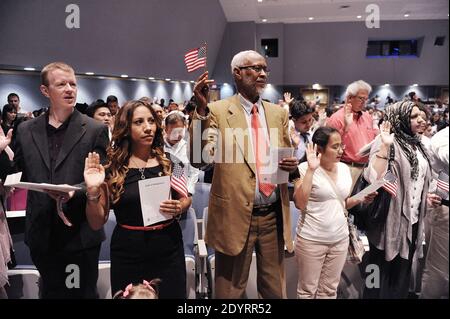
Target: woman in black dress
(138, 252)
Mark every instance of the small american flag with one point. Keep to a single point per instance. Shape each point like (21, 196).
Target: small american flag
(442, 185)
(391, 184)
(391, 188)
(195, 59)
(178, 180)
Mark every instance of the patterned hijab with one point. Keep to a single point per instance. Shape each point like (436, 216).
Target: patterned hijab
(399, 115)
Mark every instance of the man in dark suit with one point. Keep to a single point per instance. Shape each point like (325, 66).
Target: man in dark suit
(246, 214)
(52, 149)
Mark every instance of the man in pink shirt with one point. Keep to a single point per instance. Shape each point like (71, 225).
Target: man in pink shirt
(355, 126)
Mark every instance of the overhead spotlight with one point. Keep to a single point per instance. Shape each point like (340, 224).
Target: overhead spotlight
(386, 85)
(124, 76)
(192, 81)
(225, 84)
(311, 18)
(151, 78)
(29, 69)
(264, 20)
(260, 1)
(358, 17)
(89, 73)
(406, 15)
(316, 86)
(167, 79)
(415, 84)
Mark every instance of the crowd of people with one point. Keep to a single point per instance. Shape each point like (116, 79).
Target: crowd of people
(111, 153)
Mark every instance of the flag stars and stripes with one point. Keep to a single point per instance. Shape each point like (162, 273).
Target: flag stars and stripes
(178, 180)
(195, 59)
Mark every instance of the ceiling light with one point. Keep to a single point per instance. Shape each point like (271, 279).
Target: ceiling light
(358, 17)
(415, 84)
(192, 81)
(133, 79)
(124, 76)
(406, 15)
(225, 83)
(29, 69)
(316, 86)
(264, 20)
(167, 79)
(386, 85)
(311, 18)
(151, 78)
(89, 73)
(260, 1)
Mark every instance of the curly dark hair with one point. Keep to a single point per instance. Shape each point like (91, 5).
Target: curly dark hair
(119, 151)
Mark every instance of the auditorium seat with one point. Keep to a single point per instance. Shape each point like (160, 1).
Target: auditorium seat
(104, 280)
(290, 262)
(192, 252)
(23, 283)
(200, 200)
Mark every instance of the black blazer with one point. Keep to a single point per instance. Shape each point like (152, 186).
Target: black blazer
(44, 230)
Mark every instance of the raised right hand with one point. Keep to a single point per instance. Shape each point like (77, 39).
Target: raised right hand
(312, 157)
(294, 137)
(288, 98)
(387, 138)
(5, 140)
(348, 115)
(201, 92)
(94, 172)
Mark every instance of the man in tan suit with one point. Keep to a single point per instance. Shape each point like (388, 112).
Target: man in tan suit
(246, 213)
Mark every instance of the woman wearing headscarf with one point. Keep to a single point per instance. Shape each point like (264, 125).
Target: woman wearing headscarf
(395, 244)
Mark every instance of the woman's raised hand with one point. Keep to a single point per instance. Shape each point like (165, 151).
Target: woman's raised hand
(312, 157)
(94, 172)
(385, 132)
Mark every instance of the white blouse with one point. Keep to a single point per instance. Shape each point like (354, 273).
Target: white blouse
(324, 220)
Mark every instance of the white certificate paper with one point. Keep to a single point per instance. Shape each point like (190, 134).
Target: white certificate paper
(13, 180)
(389, 177)
(152, 192)
(272, 173)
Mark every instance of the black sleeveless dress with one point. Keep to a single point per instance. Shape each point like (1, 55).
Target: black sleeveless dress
(136, 254)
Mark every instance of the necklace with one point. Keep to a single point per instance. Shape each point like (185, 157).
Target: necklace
(141, 170)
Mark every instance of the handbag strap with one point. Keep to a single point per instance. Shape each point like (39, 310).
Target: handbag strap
(391, 156)
(339, 197)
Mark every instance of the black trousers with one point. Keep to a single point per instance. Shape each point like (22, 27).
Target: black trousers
(68, 274)
(395, 275)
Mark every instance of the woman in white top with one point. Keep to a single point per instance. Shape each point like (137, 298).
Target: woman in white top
(322, 231)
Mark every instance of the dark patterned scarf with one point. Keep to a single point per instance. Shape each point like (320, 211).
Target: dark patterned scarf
(399, 115)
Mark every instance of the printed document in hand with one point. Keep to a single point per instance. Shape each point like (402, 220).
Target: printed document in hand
(272, 173)
(152, 192)
(374, 186)
(13, 180)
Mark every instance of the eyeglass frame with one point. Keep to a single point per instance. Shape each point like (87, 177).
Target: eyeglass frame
(361, 99)
(340, 147)
(256, 68)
